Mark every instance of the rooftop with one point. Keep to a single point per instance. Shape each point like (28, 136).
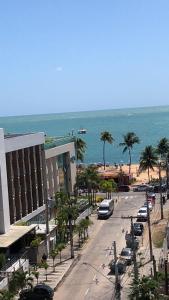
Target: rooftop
(13, 135)
(52, 142)
(14, 234)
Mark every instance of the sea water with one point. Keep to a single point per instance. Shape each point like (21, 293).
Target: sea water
(150, 124)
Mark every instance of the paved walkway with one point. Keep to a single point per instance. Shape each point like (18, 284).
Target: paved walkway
(55, 277)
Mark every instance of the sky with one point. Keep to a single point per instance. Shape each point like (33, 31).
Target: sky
(78, 55)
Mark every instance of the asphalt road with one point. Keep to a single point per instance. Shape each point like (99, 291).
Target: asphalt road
(93, 281)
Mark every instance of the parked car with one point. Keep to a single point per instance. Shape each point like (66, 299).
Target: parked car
(149, 205)
(39, 292)
(127, 254)
(121, 266)
(157, 188)
(151, 195)
(129, 241)
(142, 188)
(123, 188)
(142, 214)
(138, 229)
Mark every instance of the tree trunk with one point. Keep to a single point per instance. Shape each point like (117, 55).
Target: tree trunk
(53, 265)
(129, 161)
(148, 175)
(79, 239)
(167, 175)
(71, 238)
(104, 155)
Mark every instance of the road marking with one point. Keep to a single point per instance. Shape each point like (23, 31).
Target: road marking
(126, 197)
(86, 292)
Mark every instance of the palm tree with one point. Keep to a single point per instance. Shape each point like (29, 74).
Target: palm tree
(148, 160)
(130, 138)
(163, 151)
(80, 146)
(91, 179)
(105, 137)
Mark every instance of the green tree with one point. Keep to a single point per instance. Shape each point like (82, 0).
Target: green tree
(163, 151)
(20, 280)
(148, 160)
(45, 266)
(92, 181)
(60, 248)
(108, 186)
(6, 295)
(53, 254)
(36, 275)
(67, 213)
(79, 230)
(80, 146)
(84, 225)
(130, 139)
(2, 260)
(105, 137)
(144, 288)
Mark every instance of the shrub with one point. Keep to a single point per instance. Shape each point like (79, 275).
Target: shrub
(36, 242)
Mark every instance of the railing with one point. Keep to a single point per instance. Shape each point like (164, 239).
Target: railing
(14, 259)
(59, 142)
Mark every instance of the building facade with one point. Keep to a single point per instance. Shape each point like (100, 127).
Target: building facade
(31, 173)
(60, 166)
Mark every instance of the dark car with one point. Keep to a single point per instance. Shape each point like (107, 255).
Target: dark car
(123, 188)
(129, 241)
(127, 254)
(157, 188)
(39, 292)
(121, 266)
(138, 229)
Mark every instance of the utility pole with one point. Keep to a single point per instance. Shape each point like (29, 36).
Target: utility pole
(154, 268)
(134, 251)
(150, 239)
(161, 198)
(149, 228)
(117, 284)
(166, 276)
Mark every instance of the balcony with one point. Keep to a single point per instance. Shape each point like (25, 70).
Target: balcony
(52, 142)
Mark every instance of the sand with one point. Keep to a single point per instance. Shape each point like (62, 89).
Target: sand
(140, 177)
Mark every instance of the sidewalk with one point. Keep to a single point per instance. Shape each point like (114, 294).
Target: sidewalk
(55, 278)
(62, 269)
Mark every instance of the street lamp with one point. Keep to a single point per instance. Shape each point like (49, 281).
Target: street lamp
(161, 198)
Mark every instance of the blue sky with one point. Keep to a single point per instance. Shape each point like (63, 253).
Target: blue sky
(59, 56)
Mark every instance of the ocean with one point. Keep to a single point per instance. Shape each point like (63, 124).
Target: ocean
(150, 124)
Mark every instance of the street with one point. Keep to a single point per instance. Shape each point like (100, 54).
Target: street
(92, 279)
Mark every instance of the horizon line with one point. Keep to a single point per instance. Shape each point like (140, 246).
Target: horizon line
(83, 111)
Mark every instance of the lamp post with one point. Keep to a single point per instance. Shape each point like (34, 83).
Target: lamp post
(161, 198)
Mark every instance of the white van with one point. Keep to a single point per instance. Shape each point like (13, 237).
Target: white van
(106, 208)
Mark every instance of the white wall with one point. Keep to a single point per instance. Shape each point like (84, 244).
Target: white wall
(4, 199)
(24, 141)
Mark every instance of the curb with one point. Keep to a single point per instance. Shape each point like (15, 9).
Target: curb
(72, 265)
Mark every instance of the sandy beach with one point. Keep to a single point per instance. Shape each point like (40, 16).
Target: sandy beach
(140, 177)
